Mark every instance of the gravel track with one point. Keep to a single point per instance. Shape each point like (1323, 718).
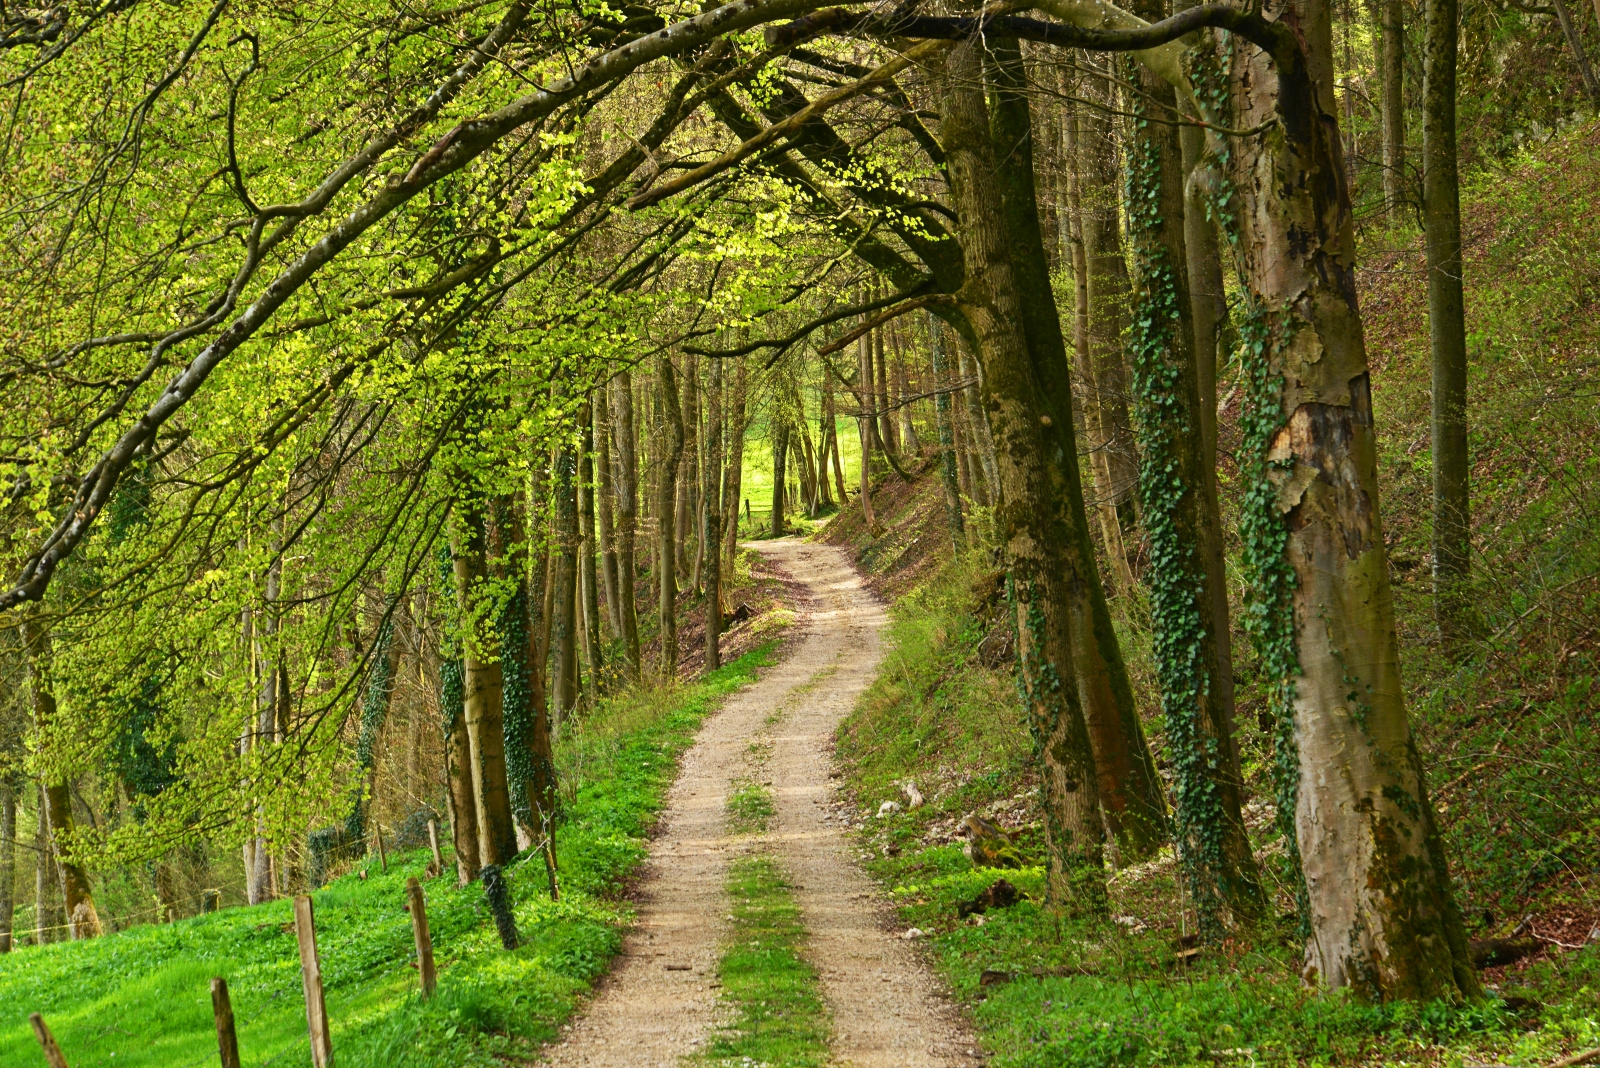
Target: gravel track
(660, 1001)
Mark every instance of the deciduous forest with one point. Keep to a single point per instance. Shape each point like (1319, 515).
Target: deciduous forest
(1025, 533)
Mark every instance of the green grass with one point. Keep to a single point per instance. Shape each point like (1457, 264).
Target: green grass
(756, 477)
(1101, 994)
(749, 807)
(779, 1017)
(141, 998)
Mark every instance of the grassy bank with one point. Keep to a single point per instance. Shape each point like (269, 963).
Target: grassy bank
(1044, 991)
(141, 998)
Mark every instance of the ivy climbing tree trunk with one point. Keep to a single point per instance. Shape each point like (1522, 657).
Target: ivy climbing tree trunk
(1447, 330)
(666, 515)
(627, 507)
(1181, 520)
(1032, 459)
(530, 764)
(82, 919)
(1129, 788)
(482, 695)
(1382, 915)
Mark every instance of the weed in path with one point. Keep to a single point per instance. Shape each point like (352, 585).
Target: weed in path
(779, 1016)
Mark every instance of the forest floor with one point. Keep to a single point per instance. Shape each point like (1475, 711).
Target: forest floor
(751, 820)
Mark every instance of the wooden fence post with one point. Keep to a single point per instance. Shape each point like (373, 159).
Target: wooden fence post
(383, 858)
(222, 1009)
(311, 972)
(419, 928)
(52, 1052)
(433, 840)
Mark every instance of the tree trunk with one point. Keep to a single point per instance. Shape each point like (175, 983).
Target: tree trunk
(1095, 414)
(47, 878)
(866, 426)
(1129, 789)
(1032, 459)
(687, 476)
(947, 441)
(1447, 334)
(605, 493)
(1382, 915)
(1392, 14)
(880, 383)
(780, 470)
(82, 919)
(666, 489)
(830, 418)
(588, 580)
(902, 389)
(1569, 29)
(733, 478)
(1181, 518)
(530, 764)
(711, 516)
(482, 685)
(258, 875)
(983, 445)
(458, 769)
(1108, 314)
(627, 504)
(564, 620)
(8, 861)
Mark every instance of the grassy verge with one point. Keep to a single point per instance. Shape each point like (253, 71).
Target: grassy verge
(778, 1017)
(141, 998)
(1046, 992)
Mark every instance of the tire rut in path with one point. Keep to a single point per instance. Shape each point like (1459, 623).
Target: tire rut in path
(887, 1008)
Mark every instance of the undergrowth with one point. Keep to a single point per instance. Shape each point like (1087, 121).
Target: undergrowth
(141, 998)
(1045, 991)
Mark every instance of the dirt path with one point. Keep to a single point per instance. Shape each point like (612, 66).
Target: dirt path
(660, 1002)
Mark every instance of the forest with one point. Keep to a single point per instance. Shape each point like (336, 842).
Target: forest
(1026, 532)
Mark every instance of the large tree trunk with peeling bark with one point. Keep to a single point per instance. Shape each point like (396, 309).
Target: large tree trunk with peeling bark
(1382, 915)
(83, 921)
(1033, 458)
(1129, 789)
